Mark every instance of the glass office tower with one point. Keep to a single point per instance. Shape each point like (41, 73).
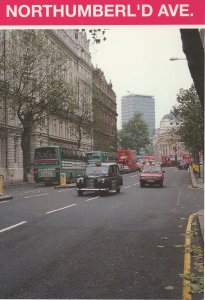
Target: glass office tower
(143, 104)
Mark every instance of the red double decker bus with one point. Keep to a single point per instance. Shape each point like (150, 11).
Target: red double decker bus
(173, 160)
(127, 160)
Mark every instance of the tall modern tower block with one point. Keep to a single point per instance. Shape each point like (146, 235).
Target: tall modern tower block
(143, 104)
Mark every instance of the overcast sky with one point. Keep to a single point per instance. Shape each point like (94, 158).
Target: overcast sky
(137, 59)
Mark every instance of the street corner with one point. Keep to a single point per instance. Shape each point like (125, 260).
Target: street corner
(4, 197)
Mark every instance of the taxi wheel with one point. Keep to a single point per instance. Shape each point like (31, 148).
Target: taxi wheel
(80, 193)
(118, 190)
(161, 184)
(141, 184)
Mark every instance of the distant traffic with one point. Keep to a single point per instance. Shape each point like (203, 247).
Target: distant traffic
(49, 162)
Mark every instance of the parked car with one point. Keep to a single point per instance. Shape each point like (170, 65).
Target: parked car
(183, 165)
(152, 174)
(100, 177)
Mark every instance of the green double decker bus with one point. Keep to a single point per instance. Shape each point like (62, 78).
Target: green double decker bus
(99, 156)
(50, 161)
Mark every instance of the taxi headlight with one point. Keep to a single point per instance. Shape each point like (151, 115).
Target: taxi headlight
(79, 180)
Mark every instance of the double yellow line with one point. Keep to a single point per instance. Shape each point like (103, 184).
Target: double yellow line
(187, 260)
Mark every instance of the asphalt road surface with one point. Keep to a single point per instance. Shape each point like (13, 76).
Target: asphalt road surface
(55, 244)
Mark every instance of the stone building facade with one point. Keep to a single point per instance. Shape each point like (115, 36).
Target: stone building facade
(76, 45)
(104, 114)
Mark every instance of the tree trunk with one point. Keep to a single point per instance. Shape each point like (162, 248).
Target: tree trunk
(79, 138)
(26, 144)
(193, 49)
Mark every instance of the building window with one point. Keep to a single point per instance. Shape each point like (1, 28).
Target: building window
(54, 127)
(66, 131)
(61, 129)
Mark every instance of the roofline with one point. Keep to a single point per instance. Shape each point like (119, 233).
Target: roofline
(137, 95)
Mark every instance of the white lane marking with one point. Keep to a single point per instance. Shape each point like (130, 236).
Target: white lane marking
(136, 183)
(126, 187)
(13, 226)
(35, 196)
(92, 199)
(178, 197)
(134, 175)
(4, 201)
(50, 212)
(65, 190)
(32, 191)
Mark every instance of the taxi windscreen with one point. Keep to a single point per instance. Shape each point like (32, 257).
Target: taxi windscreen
(96, 170)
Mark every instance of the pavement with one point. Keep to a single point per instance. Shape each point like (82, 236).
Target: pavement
(198, 183)
(4, 197)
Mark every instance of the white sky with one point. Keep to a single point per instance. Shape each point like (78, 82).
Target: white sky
(137, 59)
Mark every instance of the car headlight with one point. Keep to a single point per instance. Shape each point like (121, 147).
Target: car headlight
(102, 180)
(79, 180)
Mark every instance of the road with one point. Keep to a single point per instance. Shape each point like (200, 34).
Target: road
(54, 244)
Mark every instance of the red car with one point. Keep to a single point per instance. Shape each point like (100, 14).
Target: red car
(152, 174)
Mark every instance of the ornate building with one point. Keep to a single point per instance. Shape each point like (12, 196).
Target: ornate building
(104, 114)
(165, 141)
(76, 46)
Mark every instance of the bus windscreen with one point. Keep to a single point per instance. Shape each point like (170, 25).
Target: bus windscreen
(45, 153)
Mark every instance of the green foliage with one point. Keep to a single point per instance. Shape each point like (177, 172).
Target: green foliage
(98, 35)
(134, 133)
(189, 114)
(196, 282)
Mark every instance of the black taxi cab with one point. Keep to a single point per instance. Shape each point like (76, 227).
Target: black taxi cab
(100, 177)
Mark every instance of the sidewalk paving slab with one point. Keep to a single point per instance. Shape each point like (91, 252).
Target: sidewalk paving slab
(198, 183)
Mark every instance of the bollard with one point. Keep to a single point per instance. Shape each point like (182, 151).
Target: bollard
(1, 184)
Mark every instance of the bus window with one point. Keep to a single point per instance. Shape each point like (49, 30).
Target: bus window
(45, 153)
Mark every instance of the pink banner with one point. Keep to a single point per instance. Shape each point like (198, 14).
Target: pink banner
(99, 12)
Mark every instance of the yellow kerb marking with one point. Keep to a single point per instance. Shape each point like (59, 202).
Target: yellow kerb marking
(187, 260)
